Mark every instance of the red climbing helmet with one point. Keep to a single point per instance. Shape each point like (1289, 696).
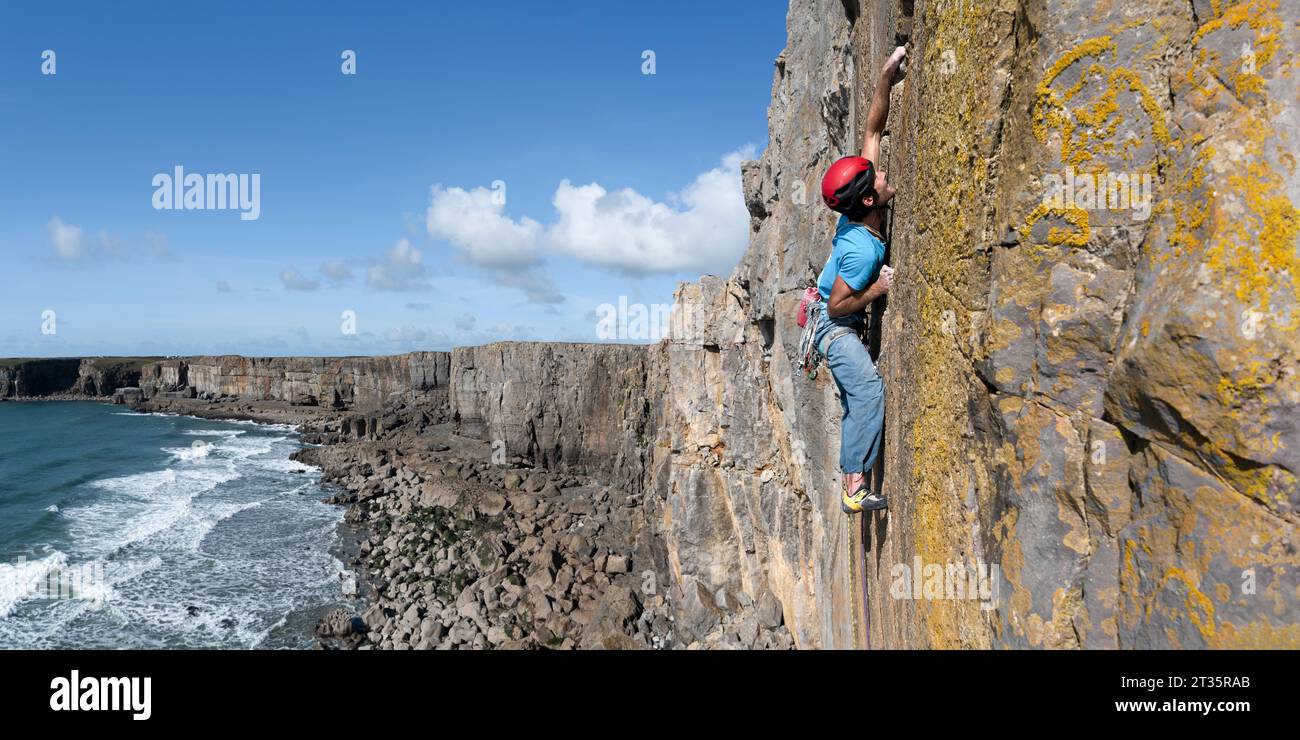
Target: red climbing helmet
(848, 181)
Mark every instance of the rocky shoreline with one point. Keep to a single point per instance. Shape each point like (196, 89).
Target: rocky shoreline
(458, 548)
(64, 396)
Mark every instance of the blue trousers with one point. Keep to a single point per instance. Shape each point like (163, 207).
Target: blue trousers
(862, 393)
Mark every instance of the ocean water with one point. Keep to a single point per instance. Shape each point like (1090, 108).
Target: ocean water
(126, 530)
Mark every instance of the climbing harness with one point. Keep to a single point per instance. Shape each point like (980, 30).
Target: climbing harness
(812, 352)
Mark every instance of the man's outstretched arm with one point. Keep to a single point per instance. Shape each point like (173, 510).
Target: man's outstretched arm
(878, 113)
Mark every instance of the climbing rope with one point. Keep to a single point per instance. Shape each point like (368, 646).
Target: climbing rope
(855, 600)
(856, 526)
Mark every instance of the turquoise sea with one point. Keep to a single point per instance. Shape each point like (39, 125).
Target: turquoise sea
(127, 530)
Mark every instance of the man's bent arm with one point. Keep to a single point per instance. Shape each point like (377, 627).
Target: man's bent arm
(844, 300)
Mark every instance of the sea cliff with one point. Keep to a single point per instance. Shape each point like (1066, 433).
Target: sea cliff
(1093, 410)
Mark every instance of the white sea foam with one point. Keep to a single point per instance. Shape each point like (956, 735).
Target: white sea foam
(170, 504)
(213, 432)
(145, 504)
(242, 448)
(268, 426)
(246, 556)
(140, 484)
(188, 535)
(193, 452)
(285, 465)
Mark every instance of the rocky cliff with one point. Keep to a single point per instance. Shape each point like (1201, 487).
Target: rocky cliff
(582, 407)
(331, 382)
(102, 376)
(36, 377)
(1100, 401)
(88, 377)
(1091, 435)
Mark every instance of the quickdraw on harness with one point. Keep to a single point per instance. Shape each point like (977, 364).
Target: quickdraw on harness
(810, 316)
(809, 357)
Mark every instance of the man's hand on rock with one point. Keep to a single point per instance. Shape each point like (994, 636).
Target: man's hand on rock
(893, 67)
(883, 283)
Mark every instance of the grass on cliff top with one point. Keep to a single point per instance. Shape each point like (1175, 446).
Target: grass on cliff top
(100, 362)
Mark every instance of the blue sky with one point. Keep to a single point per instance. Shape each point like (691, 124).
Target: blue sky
(491, 171)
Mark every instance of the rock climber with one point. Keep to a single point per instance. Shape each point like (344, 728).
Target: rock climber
(855, 275)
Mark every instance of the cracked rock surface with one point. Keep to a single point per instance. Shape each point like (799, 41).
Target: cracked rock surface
(1100, 401)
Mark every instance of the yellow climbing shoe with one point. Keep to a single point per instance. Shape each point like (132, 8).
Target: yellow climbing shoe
(863, 500)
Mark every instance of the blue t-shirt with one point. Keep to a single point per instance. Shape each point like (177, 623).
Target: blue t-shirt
(856, 255)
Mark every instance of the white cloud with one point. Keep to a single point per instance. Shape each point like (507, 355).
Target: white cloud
(402, 268)
(68, 241)
(704, 227)
(474, 222)
(294, 280)
(337, 272)
(72, 244)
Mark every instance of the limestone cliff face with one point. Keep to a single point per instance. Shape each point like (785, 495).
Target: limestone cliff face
(747, 457)
(37, 377)
(104, 375)
(1099, 401)
(563, 406)
(91, 376)
(592, 409)
(335, 382)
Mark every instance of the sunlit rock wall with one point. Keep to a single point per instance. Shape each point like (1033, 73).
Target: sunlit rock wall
(1095, 396)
